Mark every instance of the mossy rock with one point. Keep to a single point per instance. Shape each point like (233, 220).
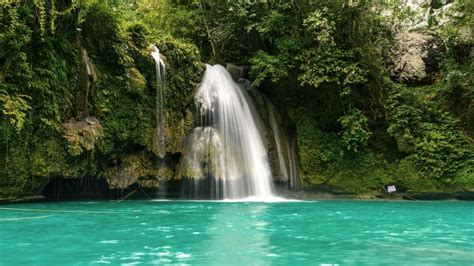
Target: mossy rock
(82, 135)
(136, 81)
(138, 168)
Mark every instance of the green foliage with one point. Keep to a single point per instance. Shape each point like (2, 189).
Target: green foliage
(336, 49)
(107, 41)
(423, 128)
(321, 27)
(15, 109)
(184, 72)
(137, 32)
(39, 72)
(355, 128)
(330, 65)
(325, 159)
(15, 37)
(270, 25)
(265, 66)
(136, 80)
(328, 62)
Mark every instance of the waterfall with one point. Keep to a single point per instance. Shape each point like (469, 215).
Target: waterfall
(86, 79)
(286, 148)
(226, 153)
(159, 137)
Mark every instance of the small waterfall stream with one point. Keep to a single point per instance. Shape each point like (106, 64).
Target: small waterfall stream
(226, 148)
(280, 143)
(159, 137)
(286, 148)
(86, 79)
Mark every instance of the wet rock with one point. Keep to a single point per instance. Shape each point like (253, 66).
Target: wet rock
(200, 158)
(245, 83)
(159, 141)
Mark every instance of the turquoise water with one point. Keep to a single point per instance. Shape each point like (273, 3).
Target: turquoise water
(218, 233)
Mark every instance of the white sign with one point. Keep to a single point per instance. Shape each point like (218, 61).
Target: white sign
(391, 189)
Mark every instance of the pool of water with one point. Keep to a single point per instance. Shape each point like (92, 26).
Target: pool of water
(237, 233)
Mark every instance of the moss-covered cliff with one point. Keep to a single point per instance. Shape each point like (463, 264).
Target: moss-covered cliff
(77, 94)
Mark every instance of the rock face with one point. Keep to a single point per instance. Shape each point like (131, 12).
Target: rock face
(237, 72)
(82, 135)
(415, 58)
(416, 52)
(159, 141)
(176, 131)
(138, 169)
(199, 159)
(280, 141)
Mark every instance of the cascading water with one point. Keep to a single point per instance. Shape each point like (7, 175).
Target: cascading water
(280, 143)
(286, 148)
(226, 148)
(159, 138)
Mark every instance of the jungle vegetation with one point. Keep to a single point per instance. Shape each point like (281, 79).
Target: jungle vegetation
(323, 61)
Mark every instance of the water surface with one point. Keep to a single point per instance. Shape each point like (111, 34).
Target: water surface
(237, 233)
